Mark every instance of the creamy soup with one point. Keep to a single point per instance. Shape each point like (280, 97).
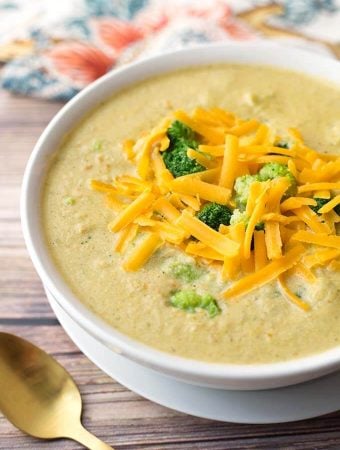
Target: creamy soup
(258, 327)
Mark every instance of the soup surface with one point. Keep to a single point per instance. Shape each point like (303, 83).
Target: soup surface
(259, 327)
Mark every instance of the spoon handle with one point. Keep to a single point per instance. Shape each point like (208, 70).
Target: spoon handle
(84, 437)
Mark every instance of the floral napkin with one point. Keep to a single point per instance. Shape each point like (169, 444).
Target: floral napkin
(53, 48)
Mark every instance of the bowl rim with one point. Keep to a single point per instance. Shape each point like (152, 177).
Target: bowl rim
(323, 67)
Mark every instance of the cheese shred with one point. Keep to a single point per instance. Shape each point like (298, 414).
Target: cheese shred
(279, 234)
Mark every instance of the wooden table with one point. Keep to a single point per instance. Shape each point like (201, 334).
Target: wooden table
(115, 414)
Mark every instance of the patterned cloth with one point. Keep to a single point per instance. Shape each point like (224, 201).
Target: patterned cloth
(53, 48)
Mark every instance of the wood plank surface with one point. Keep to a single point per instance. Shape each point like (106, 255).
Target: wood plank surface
(113, 413)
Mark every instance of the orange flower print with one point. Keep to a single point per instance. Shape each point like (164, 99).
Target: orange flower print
(152, 20)
(81, 62)
(223, 15)
(236, 30)
(117, 34)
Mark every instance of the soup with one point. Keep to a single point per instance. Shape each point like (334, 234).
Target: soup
(258, 327)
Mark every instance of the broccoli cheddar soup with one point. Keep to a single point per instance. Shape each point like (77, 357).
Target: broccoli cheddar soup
(198, 212)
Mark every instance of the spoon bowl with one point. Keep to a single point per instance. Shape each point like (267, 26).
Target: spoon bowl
(38, 396)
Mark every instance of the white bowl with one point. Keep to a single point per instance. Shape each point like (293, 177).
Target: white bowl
(229, 376)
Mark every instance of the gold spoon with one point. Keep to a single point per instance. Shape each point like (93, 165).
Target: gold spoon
(38, 396)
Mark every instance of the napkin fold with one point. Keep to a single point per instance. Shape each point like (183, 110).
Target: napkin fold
(52, 49)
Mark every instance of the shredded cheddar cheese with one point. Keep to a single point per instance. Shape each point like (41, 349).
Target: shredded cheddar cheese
(232, 265)
(206, 235)
(301, 270)
(268, 273)
(320, 239)
(296, 203)
(318, 187)
(330, 205)
(256, 214)
(320, 257)
(142, 252)
(272, 242)
(132, 211)
(200, 158)
(290, 295)
(311, 219)
(128, 149)
(206, 191)
(260, 250)
(334, 265)
(125, 236)
(229, 168)
(199, 249)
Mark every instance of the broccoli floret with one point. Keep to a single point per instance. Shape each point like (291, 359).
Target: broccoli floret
(97, 145)
(190, 301)
(275, 170)
(259, 226)
(178, 131)
(241, 188)
(320, 202)
(239, 216)
(175, 157)
(282, 144)
(267, 172)
(178, 162)
(68, 201)
(185, 271)
(214, 214)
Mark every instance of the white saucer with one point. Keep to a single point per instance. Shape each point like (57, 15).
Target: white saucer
(288, 404)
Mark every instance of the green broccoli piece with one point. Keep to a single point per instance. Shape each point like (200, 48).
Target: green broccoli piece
(190, 301)
(214, 214)
(178, 163)
(259, 226)
(69, 201)
(275, 170)
(267, 172)
(185, 271)
(178, 131)
(241, 187)
(97, 145)
(175, 157)
(239, 216)
(282, 144)
(320, 202)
